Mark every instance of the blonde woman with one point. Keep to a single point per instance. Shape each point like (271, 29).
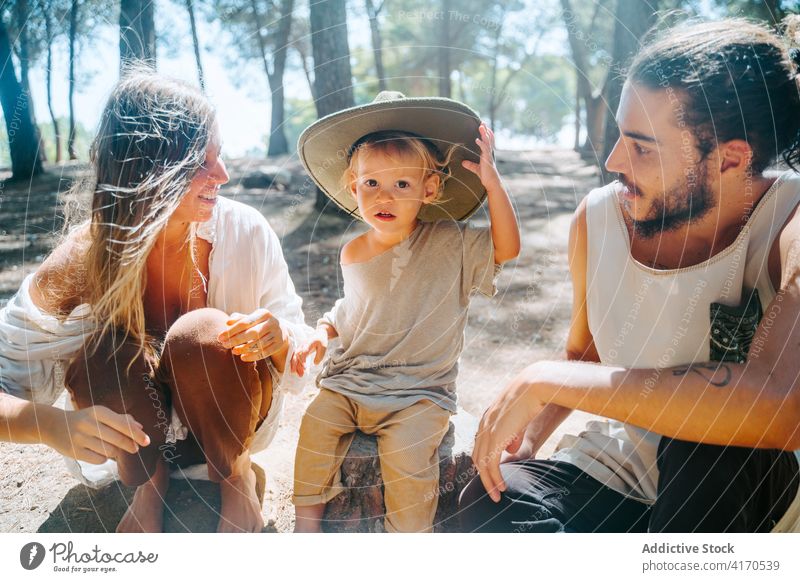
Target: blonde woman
(168, 317)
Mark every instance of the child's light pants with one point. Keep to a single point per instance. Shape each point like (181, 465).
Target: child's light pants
(408, 445)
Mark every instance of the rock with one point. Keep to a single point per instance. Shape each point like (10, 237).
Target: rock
(191, 505)
(267, 177)
(360, 508)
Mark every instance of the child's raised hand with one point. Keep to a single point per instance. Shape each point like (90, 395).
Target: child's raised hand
(485, 170)
(318, 345)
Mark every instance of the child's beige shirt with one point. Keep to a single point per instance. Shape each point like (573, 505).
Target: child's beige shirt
(402, 318)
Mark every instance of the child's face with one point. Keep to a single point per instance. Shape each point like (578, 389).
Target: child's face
(390, 190)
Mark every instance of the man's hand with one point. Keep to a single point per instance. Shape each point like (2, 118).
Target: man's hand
(502, 428)
(93, 434)
(523, 453)
(254, 337)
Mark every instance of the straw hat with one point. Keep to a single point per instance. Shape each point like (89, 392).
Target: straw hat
(324, 147)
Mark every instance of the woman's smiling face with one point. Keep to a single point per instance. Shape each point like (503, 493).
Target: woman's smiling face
(198, 203)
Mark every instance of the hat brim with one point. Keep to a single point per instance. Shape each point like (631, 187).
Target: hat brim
(323, 149)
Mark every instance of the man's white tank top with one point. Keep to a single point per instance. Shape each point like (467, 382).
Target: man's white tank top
(641, 317)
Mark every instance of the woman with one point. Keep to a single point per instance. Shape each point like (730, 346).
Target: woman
(130, 314)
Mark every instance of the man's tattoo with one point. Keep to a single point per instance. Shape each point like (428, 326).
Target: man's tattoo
(708, 372)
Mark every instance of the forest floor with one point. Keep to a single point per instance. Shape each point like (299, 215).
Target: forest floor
(527, 320)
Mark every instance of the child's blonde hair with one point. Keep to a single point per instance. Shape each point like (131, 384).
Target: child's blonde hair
(393, 142)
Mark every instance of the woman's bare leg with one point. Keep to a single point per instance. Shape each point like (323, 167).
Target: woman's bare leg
(145, 514)
(222, 401)
(103, 376)
(241, 509)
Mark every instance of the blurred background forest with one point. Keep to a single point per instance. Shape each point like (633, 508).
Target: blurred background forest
(541, 72)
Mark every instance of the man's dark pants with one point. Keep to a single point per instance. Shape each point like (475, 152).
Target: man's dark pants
(701, 488)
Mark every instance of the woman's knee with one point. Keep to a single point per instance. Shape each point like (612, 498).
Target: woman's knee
(197, 329)
(192, 350)
(219, 397)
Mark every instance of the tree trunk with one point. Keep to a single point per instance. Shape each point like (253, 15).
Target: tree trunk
(301, 50)
(20, 124)
(196, 44)
(332, 75)
(595, 127)
(23, 18)
(48, 24)
(633, 19)
(377, 43)
(445, 69)
(577, 44)
(278, 144)
(73, 25)
(577, 144)
(331, 51)
(137, 32)
(493, 83)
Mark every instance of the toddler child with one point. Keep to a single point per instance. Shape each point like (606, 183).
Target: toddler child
(407, 284)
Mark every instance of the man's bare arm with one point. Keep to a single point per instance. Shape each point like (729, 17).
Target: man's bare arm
(580, 344)
(754, 404)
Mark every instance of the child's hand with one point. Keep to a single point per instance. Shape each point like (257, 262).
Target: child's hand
(318, 345)
(485, 170)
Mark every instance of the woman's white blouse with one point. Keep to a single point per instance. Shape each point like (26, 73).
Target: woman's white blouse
(247, 271)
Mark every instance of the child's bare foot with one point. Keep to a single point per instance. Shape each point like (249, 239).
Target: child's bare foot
(308, 519)
(145, 514)
(241, 510)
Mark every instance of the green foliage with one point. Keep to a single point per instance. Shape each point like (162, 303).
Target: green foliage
(300, 113)
(770, 11)
(540, 99)
(83, 139)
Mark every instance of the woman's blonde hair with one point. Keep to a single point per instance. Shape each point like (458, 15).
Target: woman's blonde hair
(401, 143)
(152, 140)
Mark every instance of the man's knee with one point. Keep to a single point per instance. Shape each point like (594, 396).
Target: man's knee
(478, 513)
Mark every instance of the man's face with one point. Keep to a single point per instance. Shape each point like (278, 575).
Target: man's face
(666, 184)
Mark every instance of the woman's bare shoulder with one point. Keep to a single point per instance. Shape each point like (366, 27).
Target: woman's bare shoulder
(60, 281)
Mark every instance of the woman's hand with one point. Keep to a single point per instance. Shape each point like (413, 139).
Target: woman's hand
(93, 434)
(256, 336)
(485, 170)
(502, 429)
(318, 345)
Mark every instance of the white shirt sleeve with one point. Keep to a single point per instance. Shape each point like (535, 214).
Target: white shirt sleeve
(278, 295)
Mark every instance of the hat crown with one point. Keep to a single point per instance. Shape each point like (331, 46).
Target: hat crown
(324, 146)
(388, 96)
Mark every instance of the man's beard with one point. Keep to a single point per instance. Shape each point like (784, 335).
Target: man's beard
(677, 207)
